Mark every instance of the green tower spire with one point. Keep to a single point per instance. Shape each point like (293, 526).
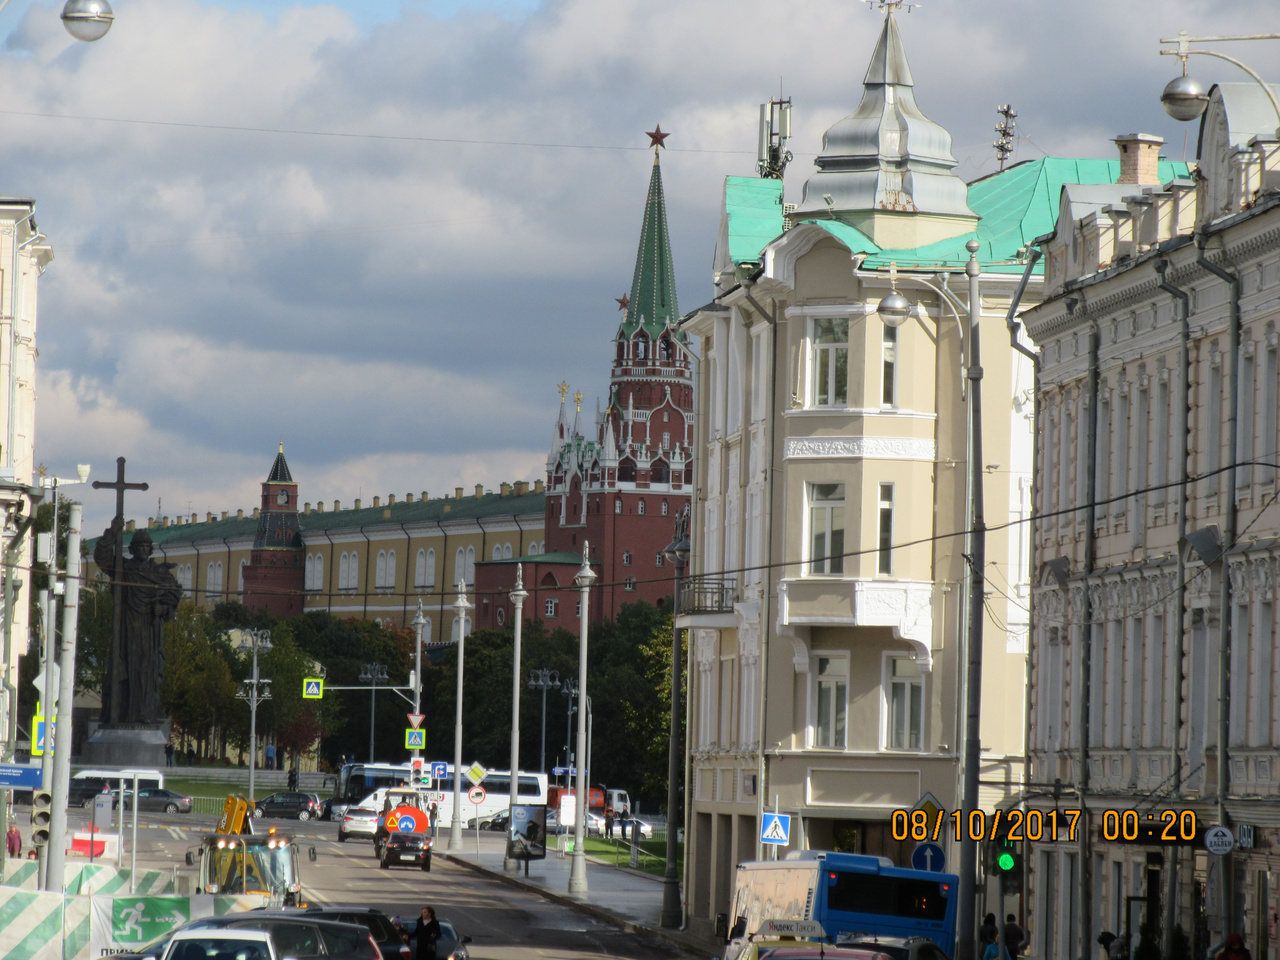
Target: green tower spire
(653, 286)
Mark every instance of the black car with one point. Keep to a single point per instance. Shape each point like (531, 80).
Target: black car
(498, 821)
(160, 799)
(287, 804)
(450, 946)
(401, 848)
(385, 935)
(293, 935)
(82, 790)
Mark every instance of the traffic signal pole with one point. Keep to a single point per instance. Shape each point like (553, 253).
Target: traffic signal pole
(57, 855)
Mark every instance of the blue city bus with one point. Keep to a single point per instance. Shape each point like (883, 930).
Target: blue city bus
(853, 896)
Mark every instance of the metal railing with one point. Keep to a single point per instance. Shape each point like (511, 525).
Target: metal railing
(708, 594)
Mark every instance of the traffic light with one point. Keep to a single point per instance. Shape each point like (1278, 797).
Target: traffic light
(1008, 863)
(417, 772)
(41, 814)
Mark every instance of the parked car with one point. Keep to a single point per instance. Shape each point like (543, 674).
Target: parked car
(287, 804)
(378, 924)
(82, 790)
(357, 822)
(199, 944)
(497, 821)
(289, 934)
(401, 848)
(645, 828)
(594, 824)
(897, 948)
(158, 799)
(450, 946)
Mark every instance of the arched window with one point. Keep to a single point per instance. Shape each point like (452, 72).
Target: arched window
(642, 347)
(245, 563)
(497, 551)
(627, 470)
(506, 551)
(391, 568)
(355, 572)
(471, 564)
(430, 579)
(420, 569)
(549, 580)
(318, 580)
(344, 571)
(380, 575)
(659, 472)
(459, 566)
(665, 349)
(213, 582)
(309, 573)
(533, 549)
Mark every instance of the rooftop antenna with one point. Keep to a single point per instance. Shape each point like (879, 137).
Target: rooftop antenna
(773, 156)
(1004, 141)
(890, 5)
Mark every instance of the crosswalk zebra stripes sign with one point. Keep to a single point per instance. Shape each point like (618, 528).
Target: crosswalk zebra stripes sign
(775, 828)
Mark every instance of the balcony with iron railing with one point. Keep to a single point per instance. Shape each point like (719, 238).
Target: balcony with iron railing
(708, 595)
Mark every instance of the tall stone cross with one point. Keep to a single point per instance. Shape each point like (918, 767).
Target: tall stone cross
(115, 668)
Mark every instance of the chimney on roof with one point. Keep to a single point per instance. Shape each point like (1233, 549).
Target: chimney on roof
(306, 508)
(336, 506)
(424, 495)
(479, 490)
(539, 486)
(522, 487)
(255, 513)
(391, 499)
(319, 506)
(151, 523)
(195, 518)
(131, 525)
(357, 506)
(224, 514)
(377, 502)
(239, 514)
(164, 522)
(504, 489)
(457, 493)
(408, 498)
(208, 518)
(1139, 158)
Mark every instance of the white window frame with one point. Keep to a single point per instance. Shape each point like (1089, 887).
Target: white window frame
(826, 396)
(888, 681)
(551, 607)
(884, 530)
(630, 584)
(828, 566)
(840, 703)
(889, 368)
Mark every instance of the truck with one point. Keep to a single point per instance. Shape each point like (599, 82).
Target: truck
(233, 860)
(852, 896)
(598, 798)
(404, 810)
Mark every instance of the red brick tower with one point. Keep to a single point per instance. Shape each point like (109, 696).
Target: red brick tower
(273, 578)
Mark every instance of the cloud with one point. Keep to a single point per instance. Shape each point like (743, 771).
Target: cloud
(399, 311)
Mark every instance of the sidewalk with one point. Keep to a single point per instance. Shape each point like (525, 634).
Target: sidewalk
(629, 899)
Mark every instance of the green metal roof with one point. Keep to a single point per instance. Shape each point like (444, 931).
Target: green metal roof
(562, 556)
(653, 286)
(1016, 206)
(444, 510)
(753, 208)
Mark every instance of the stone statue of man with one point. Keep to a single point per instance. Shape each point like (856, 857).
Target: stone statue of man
(149, 596)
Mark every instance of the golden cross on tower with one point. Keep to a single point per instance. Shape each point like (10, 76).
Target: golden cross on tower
(563, 388)
(577, 400)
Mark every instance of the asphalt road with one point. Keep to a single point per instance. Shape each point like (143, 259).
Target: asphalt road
(504, 922)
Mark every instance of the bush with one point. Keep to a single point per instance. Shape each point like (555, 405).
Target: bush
(1179, 945)
(1148, 944)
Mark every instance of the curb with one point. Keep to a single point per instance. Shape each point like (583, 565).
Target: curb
(590, 909)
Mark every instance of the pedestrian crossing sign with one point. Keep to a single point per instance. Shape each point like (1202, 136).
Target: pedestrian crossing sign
(415, 739)
(313, 688)
(775, 828)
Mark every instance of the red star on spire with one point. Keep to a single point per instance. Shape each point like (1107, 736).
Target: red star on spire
(656, 136)
(624, 301)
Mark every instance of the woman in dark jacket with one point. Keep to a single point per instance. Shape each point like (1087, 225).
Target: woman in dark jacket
(427, 933)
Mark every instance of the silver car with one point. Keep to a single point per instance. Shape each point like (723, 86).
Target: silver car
(357, 822)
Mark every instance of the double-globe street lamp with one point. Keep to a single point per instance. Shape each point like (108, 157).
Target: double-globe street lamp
(254, 690)
(677, 551)
(578, 867)
(544, 680)
(373, 674)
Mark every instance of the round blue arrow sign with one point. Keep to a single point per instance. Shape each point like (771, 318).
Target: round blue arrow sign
(406, 824)
(929, 856)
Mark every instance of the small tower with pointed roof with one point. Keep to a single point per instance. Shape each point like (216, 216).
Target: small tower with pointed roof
(273, 577)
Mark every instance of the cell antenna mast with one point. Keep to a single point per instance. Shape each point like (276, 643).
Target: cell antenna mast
(773, 156)
(1004, 141)
(891, 5)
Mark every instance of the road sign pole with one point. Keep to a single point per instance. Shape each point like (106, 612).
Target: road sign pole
(66, 694)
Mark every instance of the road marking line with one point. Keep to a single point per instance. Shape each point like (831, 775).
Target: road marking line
(177, 834)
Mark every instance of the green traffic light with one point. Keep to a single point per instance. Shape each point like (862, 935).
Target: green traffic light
(1005, 861)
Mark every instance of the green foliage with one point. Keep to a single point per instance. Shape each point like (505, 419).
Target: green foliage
(198, 689)
(1148, 943)
(1179, 945)
(93, 643)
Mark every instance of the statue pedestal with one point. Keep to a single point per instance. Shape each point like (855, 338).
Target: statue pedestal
(127, 745)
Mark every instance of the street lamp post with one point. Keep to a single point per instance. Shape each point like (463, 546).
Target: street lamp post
(544, 680)
(254, 690)
(578, 868)
(677, 551)
(570, 690)
(1185, 98)
(517, 596)
(371, 673)
(460, 608)
(418, 623)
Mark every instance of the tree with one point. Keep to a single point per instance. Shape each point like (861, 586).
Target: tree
(198, 688)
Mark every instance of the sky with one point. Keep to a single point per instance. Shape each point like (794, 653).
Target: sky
(381, 232)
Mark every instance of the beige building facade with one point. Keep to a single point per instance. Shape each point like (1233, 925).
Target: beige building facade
(1155, 679)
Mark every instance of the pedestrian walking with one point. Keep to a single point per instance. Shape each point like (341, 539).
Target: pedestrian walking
(988, 929)
(1013, 936)
(990, 948)
(13, 841)
(625, 818)
(427, 932)
(293, 778)
(608, 822)
(1234, 949)
(271, 756)
(168, 753)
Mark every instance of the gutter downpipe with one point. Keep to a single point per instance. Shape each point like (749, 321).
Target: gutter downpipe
(444, 561)
(1015, 328)
(328, 594)
(1184, 361)
(1228, 541)
(364, 591)
(762, 783)
(408, 553)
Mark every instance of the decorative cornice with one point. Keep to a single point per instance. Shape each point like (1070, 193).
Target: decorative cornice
(859, 448)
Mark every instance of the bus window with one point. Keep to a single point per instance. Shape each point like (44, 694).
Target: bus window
(886, 895)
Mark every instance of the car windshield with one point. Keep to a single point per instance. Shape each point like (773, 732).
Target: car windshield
(205, 948)
(447, 932)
